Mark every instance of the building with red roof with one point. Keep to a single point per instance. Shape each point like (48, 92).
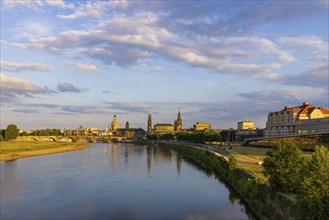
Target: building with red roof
(306, 118)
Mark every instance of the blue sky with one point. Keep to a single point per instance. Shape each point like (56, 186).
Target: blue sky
(71, 63)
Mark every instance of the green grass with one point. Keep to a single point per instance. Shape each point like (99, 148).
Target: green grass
(256, 169)
(15, 146)
(253, 152)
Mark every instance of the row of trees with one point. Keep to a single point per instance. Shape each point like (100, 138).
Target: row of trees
(43, 132)
(290, 172)
(197, 137)
(10, 133)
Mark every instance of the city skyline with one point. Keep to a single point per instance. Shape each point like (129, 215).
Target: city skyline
(71, 63)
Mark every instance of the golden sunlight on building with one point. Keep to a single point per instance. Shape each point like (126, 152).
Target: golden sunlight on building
(244, 125)
(202, 126)
(297, 120)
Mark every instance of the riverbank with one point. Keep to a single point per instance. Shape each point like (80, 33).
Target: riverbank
(257, 194)
(11, 150)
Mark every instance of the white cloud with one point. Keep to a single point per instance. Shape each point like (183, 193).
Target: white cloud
(18, 85)
(31, 29)
(85, 67)
(290, 95)
(19, 67)
(56, 3)
(36, 5)
(12, 88)
(206, 84)
(313, 47)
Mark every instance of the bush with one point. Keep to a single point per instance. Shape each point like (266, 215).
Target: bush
(283, 167)
(313, 200)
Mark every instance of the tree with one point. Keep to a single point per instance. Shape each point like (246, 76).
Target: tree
(283, 166)
(313, 200)
(11, 132)
(2, 134)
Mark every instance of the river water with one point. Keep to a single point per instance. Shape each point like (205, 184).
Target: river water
(114, 181)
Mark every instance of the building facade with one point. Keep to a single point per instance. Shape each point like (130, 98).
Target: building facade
(202, 126)
(295, 120)
(82, 132)
(246, 129)
(246, 125)
(165, 128)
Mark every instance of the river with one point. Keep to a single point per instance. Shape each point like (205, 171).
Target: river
(114, 181)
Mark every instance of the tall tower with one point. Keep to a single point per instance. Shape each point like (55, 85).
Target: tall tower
(179, 122)
(149, 124)
(114, 124)
(127, 125)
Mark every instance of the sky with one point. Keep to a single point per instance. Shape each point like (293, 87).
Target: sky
(71, 63)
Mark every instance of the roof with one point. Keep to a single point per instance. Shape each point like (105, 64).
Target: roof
(324, 110)
(158, 124)
(202, 123)
(306, 108)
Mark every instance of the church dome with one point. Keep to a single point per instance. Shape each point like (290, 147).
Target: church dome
(114, 124)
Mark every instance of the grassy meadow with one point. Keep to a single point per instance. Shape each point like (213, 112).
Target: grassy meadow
(10, 150)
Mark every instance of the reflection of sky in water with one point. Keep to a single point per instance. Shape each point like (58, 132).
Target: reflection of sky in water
(113, 182)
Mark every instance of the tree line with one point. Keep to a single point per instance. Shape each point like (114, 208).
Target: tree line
(12, 132)
(290, 172)
(197, 137)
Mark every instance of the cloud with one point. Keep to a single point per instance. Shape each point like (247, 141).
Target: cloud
(130, 107)
(12, 88)
(26, 111)
(314, 48)
(68, 109)
(68, 87)
(206, 84)
(35, 5)
(288, 95)
(260, 13)
(316, 77)
(20, 67)
(94, 9)
(89, 68)
(124, 40)
(211, 36)
(31, 29)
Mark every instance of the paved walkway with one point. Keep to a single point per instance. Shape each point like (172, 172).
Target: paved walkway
(224, 152)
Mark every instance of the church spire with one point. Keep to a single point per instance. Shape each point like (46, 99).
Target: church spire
(149, 124)
(179, 122)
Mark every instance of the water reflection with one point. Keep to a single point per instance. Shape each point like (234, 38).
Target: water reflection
(114, 181)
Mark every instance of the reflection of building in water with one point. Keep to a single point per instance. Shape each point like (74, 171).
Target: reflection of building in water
(149, 159)
(114, 154)
(178, 163)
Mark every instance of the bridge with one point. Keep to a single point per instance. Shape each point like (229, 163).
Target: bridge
(248, 140)
(82, 139)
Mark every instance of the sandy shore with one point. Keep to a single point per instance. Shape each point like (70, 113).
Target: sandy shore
(4, 156)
